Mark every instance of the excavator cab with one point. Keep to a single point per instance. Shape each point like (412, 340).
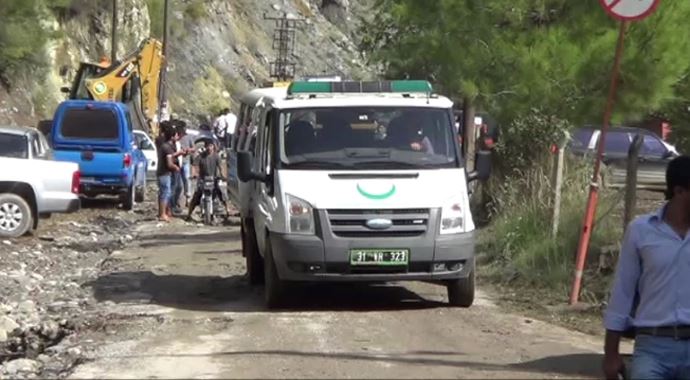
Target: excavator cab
(79, 89)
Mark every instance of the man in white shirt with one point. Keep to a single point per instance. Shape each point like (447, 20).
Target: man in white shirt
(231, 125)
(224, 126)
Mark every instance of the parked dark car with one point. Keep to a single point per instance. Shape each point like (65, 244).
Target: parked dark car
(653, 158)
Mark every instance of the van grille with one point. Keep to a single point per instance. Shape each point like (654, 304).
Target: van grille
(352, 223)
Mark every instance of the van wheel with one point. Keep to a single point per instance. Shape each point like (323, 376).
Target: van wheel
(15, 216)
(255, 264)
(128, 199)
(275, 288)
(461, 291)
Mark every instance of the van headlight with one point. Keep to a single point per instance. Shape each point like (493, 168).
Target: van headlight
(300, 216)
(452, 218)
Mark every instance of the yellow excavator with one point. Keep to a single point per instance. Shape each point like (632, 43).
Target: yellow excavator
(134, 81)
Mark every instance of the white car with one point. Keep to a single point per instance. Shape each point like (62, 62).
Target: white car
(32, 185)
(147, 146)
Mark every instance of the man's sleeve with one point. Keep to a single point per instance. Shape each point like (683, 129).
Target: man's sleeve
(618, 313)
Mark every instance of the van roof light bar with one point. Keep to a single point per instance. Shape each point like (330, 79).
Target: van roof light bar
(397, 86)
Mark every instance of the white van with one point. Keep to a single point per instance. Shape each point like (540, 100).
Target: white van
(354, 181)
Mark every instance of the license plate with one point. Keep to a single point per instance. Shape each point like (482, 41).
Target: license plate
(88, 179)
(379, 256)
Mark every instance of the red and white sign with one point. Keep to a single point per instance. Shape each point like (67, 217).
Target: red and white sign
(630, 10)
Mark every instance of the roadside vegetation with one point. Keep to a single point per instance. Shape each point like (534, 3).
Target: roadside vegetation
(541, 68)
(21, 37)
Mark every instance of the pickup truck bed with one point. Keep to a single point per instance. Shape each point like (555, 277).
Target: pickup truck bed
(33, 188)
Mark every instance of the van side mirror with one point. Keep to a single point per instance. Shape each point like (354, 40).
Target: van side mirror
(482, 170)
(244, 168)
(65, 90)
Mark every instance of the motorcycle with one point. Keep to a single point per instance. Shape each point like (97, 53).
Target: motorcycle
(207, 200)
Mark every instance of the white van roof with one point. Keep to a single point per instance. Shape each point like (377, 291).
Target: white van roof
(279, 98)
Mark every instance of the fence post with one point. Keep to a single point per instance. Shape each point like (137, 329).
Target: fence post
(558, 184)
(631, 180)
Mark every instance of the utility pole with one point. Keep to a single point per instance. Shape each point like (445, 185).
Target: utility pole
(283, 68)
(162, 90)
(113, 38)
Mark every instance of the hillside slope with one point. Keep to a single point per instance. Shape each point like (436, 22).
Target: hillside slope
(218, 49)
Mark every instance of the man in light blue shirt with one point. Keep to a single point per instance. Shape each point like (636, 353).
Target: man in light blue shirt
(651, 290)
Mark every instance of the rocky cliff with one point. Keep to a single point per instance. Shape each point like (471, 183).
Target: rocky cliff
(218, 49)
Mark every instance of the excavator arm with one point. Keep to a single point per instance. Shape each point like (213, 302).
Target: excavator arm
(133, 81)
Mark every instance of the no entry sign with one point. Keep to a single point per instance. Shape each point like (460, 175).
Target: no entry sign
(630, 10)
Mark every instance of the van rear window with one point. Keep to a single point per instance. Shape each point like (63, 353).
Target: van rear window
(93, 124)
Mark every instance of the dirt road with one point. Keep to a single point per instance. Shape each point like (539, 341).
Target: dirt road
(178, 306)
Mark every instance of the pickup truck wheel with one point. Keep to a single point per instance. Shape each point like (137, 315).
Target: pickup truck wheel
(15, 216)
(461, 291)
(275, 288)
(128, 199)
(255, 264)
(140, 194)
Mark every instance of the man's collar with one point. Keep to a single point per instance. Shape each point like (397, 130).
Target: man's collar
(658, 215)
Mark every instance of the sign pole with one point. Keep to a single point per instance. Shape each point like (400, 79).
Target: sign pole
(590, 212)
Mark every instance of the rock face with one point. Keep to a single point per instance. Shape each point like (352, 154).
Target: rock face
(22, 367)
(218, 49)
(336, 11)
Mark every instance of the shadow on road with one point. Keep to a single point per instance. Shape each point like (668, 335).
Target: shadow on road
(205, 293)
(583, 365)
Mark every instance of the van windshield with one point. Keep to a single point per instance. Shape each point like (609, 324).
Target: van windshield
(367, 138)
(90, 124)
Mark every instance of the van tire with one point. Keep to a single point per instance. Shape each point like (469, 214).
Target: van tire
(254, 262)
(275, 288)
(17, 206)
(461, 291)
(128, 199)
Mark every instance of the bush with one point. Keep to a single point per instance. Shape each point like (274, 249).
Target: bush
(518, 244)
(156, 9)
(519, 240)
(195, 10)
(21, 37)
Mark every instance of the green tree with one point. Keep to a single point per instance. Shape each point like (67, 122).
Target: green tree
(22, 34)
(514, 55)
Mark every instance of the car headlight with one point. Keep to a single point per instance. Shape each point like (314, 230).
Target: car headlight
(452, 217)
(300, 216)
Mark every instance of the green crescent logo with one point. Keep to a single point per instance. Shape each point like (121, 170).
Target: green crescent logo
(377, 197)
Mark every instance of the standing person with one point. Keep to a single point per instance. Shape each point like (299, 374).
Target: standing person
(187, 145)
(166, 167)
(220, 125)
(231, 127)
(177, 184)
(651, 289)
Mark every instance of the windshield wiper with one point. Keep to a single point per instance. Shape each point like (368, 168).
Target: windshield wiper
(311, 164)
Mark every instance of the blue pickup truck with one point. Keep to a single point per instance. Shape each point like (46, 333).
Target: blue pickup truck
(99, 137)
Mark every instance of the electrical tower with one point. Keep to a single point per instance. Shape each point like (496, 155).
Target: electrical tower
(283, 68)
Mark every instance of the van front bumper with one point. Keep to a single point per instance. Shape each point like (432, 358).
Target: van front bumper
(311, 258)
